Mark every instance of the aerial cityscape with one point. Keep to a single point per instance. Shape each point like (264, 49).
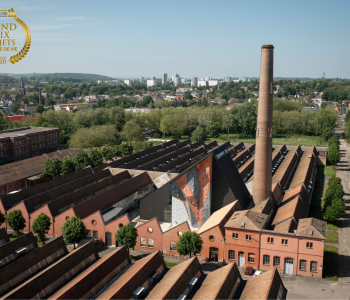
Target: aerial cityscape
(129, 170)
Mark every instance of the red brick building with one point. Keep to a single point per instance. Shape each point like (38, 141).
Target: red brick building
(20, 143)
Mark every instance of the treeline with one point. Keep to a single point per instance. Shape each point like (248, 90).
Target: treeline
(55, 168)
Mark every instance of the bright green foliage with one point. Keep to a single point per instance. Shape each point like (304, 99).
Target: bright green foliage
(116, 151)
(96, 157)
(198, 134)
(333, 154)
(107, 153)
(334, 140)
(189, 243)
(67, 166)
(73, 230)
(52, 169)
(131, 132)
(2, 218)
(81, 160)
(15, 220)
(334, 204)
(125, 149)
(127, 236)
(41, 226)
(335, 211)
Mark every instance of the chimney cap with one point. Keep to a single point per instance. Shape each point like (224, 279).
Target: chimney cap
(267, 46)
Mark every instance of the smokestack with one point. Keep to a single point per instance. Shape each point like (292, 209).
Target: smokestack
(39, 96)
(263, 158)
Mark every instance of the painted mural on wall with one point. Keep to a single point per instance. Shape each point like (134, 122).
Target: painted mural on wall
(191, 195)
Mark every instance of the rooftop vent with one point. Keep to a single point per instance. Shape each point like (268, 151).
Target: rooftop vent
(138, 292)
(192, 283)
(311, 232)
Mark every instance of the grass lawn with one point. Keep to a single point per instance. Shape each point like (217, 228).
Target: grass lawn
(326, 171)
(330, 263)
(316, 200)
(169, 264)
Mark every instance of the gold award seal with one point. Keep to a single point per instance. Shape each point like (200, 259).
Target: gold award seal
(8, 44)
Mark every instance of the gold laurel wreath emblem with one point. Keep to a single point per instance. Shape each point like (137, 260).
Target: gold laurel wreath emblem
(17, 57)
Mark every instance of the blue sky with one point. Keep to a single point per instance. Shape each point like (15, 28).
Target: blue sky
(192, 38)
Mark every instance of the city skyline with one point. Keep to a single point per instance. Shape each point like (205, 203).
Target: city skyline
(111, 38)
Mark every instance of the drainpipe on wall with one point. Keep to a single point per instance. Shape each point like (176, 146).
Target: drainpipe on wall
(223, 257)
(28, 223)
(297, 264)
(53, 225)
(259, 249)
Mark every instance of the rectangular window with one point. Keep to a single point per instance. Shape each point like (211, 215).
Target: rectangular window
(313, 266)
(309, 245)
(235, 235)
(251, 257)
(143, 242)
(1, 144)
(276, 261)
(231, 255)
(150, 243)
(95, 233)
(88, 233)
(248, 237)
(284, 242)
(20, 142)
(302, 266)
(172, 246)
(266, 260)
(270, 240)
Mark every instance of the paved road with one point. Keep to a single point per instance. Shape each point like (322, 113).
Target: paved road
(343, 169)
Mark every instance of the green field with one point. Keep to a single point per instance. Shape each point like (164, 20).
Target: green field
(326, 171)
(169, 264)
(330, 263)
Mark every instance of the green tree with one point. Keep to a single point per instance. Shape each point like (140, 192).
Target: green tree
(68, 166)
(95, 136)
(107, 153)
(198, 134)
(39, 108)
(81, 160)
(41, 226)
(189, 243)
(73, 230)
(333, 154)
(188, 96)
(131, 132)
(215, 130)
(2, 218)
(52, 169)
(117, 151)
(125, 149)
(96, 157)
(15, 220)
(335, 211)
(127, 236)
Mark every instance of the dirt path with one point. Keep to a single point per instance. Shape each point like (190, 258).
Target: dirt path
(343, 171)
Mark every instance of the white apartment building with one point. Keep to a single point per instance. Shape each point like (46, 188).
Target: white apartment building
(151, 82)
(127, 81)
(203, 83)
(177, 80)
(213, 83)
(142, 79)
(194, 81)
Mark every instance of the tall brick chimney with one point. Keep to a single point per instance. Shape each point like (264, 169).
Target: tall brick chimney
(39, 96)
(263, 158)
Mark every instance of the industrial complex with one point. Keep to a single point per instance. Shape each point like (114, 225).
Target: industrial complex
(248, 202)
